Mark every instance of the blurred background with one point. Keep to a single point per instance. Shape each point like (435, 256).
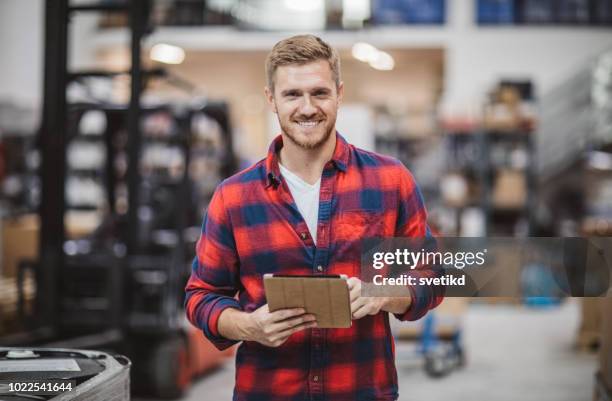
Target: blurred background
(119, 118)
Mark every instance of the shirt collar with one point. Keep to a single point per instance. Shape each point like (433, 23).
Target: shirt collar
(339, 159)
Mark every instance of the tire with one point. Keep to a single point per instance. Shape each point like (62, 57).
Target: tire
(437, 365)
(461, 361)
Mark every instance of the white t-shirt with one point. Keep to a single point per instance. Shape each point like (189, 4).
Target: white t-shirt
(306, 198)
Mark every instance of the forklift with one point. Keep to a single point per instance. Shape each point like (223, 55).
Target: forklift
(119, 288)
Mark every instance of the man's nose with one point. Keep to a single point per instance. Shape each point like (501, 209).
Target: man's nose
(307, 107)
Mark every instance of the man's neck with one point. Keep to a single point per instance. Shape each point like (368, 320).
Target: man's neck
(307, 164)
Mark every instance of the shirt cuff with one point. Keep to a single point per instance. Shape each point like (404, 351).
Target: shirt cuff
(418, 306)
(211, 330)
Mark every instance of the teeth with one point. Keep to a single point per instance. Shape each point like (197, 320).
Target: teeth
(308, 123)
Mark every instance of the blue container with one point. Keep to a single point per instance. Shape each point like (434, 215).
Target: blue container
(401, 12)
(539, 287)
(494, 12)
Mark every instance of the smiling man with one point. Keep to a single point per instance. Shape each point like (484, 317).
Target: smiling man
(303, 210)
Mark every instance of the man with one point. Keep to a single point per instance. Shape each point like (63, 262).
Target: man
(303, 210)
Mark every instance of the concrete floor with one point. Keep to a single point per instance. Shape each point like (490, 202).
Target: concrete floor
(513, 353)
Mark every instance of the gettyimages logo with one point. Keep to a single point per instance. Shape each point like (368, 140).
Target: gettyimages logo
(411, 259)
(489, 267)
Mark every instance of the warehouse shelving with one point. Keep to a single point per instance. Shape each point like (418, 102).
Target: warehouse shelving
(575, 125)
(568, 121)
(480, 172)
(405, 149)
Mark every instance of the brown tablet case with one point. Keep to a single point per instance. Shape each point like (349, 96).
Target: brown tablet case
(326, 297)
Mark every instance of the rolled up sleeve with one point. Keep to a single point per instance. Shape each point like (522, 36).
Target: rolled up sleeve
(214, 279)
(412, 222)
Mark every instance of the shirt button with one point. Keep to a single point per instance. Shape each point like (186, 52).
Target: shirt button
(315, 378)
(320, 268)
(303, 235)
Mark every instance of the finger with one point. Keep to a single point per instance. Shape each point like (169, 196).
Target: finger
(353, 283)
(357, 304)
(283, 314)
(306, 325)
(280, 338)
(292, 322)
(361, 312)
(354, 294)
(362, 308)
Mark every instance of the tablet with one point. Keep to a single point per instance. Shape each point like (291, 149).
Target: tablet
(326, 297)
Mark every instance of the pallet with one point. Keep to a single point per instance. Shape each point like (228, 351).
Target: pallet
(109, 381)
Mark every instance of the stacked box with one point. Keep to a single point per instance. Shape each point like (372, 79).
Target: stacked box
(510, 190)
(19, 242)
(590, 325)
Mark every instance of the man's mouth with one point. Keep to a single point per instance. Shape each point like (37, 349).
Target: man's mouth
(308, 124)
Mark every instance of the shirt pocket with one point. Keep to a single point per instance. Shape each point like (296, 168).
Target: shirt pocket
(349, 229)
(357, 225)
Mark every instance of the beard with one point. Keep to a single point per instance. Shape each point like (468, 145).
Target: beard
(314, 139)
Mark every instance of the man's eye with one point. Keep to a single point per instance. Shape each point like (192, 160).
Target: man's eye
(320, 94)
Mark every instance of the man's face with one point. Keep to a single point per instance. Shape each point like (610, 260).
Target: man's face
(306, 100)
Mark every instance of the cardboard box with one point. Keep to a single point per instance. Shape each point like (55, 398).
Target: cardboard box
(81, 223)
(20, 236)
(502, 118)
(510, 190)
(448, 320)
(9, 302)
(19, 242)
(453, 306)
(589, 332)
(605, 350)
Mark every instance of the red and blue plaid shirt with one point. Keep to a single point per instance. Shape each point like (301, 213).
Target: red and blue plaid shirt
(253, 227)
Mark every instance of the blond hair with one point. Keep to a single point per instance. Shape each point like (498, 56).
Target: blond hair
(301, 49)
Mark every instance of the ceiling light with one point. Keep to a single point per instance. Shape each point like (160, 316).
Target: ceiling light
(382, 61)
(364, 52)
(599, 160)
(167, 54)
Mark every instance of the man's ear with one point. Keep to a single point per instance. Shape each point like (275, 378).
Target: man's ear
(270, 98)
(340, 92)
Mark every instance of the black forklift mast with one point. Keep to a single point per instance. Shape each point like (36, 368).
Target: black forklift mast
(138, 17)
(52, 141)
(53, 138)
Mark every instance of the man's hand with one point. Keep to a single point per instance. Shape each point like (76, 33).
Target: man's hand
(363, 306)
(271, 329)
